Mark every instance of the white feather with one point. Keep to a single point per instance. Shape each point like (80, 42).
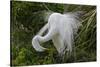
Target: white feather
(61, 29)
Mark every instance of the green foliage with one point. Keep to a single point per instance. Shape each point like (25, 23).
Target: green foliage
(27, 19)
(86, 39)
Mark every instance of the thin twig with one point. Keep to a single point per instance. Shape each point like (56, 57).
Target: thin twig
(46, 7)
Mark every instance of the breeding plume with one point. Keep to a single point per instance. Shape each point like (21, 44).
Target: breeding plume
(61, 29)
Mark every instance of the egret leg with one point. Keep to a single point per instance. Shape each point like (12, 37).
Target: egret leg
(69, 47)
(69, 43)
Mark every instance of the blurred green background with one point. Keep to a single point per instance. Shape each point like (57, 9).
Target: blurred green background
(27, 18)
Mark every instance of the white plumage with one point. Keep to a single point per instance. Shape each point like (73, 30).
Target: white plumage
(61, 29)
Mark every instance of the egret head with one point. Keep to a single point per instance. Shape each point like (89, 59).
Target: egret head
(36, 45)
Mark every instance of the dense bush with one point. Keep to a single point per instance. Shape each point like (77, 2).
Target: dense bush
(27, 18)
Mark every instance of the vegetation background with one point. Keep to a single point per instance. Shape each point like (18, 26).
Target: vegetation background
(27, 18)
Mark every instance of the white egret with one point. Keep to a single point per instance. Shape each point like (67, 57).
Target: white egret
(61, 29)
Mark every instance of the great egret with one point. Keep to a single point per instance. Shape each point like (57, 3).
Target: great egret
(61, 29)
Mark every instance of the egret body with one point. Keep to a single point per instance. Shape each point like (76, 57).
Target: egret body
(61, 29)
